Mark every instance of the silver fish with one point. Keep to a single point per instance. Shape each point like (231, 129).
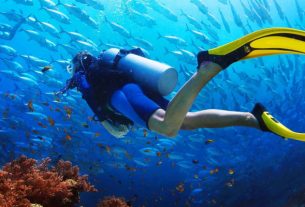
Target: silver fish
(5, 27)
(162, 9)
(57, 15)
(35, 61)
(174, 39)
(236, 17)
(49, 45)
(12, 15)
(224, 22)
(29, 80)
(8, 50)
(80, 14)
(119, 28)
(144, 43)
(96, 4)
(279, 10)
(48, 4)
(73, 35)
(212, 19)
(141, 19)
(69, 49)
(25, 2)
(299, 10)
(33, 22)
(192, 20)
(185, 164)
(33, 35)
(223, 1)
(149, 151)
(50, 28)
(12, 65)
(200, 5)
(84, 45)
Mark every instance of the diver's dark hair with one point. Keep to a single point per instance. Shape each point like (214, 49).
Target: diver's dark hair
(84, 59)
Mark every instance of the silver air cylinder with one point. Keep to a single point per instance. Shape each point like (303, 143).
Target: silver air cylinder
(149, 74)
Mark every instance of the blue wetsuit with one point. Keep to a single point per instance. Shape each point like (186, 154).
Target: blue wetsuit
(112, 96)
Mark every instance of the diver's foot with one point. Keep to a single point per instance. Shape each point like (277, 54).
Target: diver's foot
(258, 111)
(208, 68)
(268, 123)
(222, 61)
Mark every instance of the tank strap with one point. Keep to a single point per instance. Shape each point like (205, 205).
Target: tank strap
(122, 53)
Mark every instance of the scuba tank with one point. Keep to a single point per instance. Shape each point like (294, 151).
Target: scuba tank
(149, 74)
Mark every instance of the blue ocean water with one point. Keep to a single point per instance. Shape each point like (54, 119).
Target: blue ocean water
(233, 166)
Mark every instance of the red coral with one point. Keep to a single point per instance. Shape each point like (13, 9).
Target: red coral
(23, 182)
(113, 202)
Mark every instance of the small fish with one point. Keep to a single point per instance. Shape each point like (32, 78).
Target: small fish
(68, 137)
(231, 171)
(51, 121)
(108, 149)
(195, 161)
(230, 183)
(132, 169)
(209, 141)
(46, 68)
(41, 125)
(145, 133)
(214, 171)
(30, 106)
(180, 187)
(85, 125)
(68, 111)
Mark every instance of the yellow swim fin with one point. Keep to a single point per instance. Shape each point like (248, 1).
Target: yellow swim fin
(271, 41)
(268, 123)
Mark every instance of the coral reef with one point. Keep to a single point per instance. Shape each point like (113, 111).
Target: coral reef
(24, 182)
(113, 202)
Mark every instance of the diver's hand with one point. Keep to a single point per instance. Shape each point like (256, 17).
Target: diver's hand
(80, 81)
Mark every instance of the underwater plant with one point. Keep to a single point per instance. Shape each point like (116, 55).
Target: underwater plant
(113, 202)
(25, 182)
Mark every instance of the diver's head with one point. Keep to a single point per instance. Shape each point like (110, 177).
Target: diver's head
(80, 62)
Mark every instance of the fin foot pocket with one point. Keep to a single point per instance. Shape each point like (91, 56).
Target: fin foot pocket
(264, 42)
(268, 123)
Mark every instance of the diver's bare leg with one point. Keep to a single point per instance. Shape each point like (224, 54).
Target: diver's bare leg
(214, 118)
(171, 122)
(177, 116)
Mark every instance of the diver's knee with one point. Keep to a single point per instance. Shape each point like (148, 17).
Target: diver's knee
(158, 124)
(187, 122)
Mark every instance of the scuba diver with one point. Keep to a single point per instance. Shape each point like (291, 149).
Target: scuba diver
(9, 34)
(123, 87)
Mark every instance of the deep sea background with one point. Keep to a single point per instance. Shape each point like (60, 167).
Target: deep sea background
(240, 167)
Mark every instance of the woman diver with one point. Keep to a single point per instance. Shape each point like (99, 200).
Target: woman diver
(113, 85)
